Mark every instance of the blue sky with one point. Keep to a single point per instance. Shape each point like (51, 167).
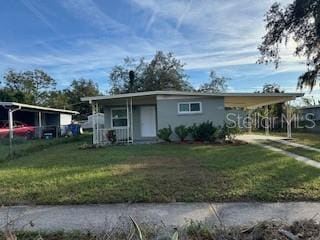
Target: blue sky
(85, 38)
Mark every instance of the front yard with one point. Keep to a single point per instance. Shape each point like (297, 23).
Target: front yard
(64, 174)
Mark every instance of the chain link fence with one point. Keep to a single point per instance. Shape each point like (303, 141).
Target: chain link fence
(25, 138)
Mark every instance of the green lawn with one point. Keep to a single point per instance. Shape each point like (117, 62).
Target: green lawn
(64, 174)
(314, 155)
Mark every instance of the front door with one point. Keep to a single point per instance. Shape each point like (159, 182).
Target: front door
(148, 121)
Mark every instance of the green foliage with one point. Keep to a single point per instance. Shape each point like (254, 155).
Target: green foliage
(37, 87)
(219, 135)
(165, 133)
(78, 89)
(299, 21)
(232, 131)
(28, 87)
(182, 132)
(163, 72)
(216, 84)
(203, 132)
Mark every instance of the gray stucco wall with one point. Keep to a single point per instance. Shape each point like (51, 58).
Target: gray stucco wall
(212, 110)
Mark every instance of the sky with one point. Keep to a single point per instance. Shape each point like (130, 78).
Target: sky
(73, 39)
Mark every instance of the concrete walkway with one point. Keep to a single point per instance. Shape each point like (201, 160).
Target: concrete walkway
(260, 140)
(98, 217)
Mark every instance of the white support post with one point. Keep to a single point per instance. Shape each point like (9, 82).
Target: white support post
(289, 135)
(128, 122)
(94, 129)
(250, 122)
(10, 117)
(267, 120)
(97, 123)
(131, 120)
(40, 124)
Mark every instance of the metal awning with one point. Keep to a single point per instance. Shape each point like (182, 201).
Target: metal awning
(29, 107)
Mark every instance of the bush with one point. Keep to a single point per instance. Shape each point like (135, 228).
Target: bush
(182, 132)
(165, 133)
(203, 132)
(219, 135)
(232, 131)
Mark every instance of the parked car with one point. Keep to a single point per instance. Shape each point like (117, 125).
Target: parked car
(19, 129)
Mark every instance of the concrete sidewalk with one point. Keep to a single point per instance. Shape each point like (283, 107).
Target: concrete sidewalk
(261, 141)
(98, 217)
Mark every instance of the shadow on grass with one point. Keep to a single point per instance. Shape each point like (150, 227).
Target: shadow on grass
(158, 174)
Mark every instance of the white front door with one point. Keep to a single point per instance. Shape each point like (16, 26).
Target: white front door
(148, 121)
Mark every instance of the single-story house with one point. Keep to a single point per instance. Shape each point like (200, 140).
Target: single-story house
(139, 116)
(310, 116)
(310, 112)
(40, 118)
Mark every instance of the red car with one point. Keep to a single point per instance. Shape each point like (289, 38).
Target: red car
(19, 129)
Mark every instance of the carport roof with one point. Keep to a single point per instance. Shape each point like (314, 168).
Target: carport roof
(245, 100)
(36, 108)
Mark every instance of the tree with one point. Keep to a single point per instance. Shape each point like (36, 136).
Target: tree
(30, 86)
(58, 99)
(216, 84)
(163, 72)
(119, 76)
(299, 21)
(271, 88)
(78, 89)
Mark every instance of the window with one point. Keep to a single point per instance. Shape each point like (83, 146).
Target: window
(119, 118)
(189, 107)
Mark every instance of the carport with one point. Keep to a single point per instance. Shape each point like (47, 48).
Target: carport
(36, 116)
(252, 101)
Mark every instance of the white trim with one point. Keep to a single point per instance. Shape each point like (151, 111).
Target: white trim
(182, 93)
(22, 105)
(189, 112)
(118, 108)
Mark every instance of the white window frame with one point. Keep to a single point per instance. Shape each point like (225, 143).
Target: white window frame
(122, 127)
(189, 112)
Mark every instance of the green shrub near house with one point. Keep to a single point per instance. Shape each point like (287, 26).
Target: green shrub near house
(165, 134)
(182, 132)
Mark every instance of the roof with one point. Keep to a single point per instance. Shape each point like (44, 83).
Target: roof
(310, 107)
(33, 107)
(182, 93)
(247, 100)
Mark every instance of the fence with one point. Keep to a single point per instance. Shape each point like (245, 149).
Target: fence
(25, 138)
(115, 135)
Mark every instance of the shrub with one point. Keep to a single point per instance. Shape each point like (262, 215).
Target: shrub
(232, 131)
(203, 132)
(219, 135)
(182, 132)
(165, 134)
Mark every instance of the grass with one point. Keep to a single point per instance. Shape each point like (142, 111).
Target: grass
(64, 174)
(314, 155)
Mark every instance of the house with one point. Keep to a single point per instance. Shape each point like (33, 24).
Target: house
(41, 118)
(310, 112)
(138, 116)
(310, 116)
